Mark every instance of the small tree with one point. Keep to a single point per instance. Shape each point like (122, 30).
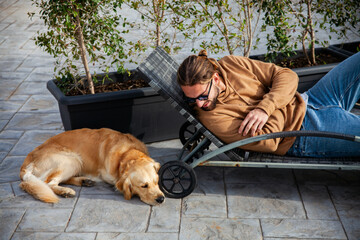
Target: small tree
(85, 29)
(341, 16)
(309, 15)
(306, 22)
(158, 18)
(232, 23)
(279, 40)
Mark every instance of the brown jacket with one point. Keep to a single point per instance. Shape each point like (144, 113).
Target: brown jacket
(258, 85)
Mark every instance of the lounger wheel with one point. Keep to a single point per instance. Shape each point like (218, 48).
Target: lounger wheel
(187, 130)
(177, 179)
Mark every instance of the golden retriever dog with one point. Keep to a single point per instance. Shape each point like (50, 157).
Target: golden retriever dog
(80, 157)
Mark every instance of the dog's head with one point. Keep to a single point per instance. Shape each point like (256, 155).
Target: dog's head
(141, 178)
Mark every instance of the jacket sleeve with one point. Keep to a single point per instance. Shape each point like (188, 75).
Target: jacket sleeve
(281, 82)
(226, 128)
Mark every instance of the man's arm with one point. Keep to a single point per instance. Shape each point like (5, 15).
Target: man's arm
(282, 84)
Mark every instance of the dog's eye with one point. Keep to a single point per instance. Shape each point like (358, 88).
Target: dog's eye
(145, 185)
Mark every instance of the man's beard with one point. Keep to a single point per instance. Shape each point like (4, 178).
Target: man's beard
(211, 103)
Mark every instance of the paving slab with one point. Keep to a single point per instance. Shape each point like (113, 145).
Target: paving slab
(9, 108)
(52, 235)
(164, 148)
(9, 51)
(6, 191)
(6, 145)
(264, 201)
(15, 77)
(136, 236)
(8, 87)
(218, 228)
(8, 65)
(51, 220)
(259, 175)
(12, 57)
(317, 202)
(3, 124)
(31, 88)
(101, 188)
(22, 98)
(109, 213)
(293, 238)
(31, 121)
(34, 61)
(40, 104)
(290, 228)
(41, 74)
(30, 140)
(345, 195)
(205, 206)
(209, 188)
(2, 156)
(10, 219)
(349, 215)
(24, 200)
(210, 181)
(165, 218)
(10, 169)
(10, 134)
(316, 177)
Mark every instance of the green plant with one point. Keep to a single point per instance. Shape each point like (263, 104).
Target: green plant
(231, 23)
(342, 16)
(81, 29)
(157, 16)
(279, 40)
(293, 20)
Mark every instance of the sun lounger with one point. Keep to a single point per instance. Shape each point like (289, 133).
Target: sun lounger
(177, 178)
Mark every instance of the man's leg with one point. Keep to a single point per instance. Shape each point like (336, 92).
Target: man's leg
(328, 119)
(340, 87)
(330, 101)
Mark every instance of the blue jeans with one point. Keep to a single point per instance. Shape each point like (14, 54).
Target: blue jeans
(328, 109)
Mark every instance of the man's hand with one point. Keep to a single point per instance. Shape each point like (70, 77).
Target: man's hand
(254, 121)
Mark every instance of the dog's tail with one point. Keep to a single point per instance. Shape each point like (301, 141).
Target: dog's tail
(37, 188)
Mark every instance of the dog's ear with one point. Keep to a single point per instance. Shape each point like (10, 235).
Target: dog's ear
(125, 188)
(157, 166)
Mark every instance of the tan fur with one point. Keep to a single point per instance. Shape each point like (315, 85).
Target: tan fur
(75, 157)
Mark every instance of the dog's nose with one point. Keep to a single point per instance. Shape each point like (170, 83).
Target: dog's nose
(160, 199)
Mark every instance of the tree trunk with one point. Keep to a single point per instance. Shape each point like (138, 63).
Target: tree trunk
(312, 32)
(305, 32)
(158, 7)
(80, 38)
(248, 35)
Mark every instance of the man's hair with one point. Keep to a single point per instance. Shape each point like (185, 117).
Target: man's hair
(196, 69)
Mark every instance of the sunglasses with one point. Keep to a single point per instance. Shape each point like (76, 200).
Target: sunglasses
(202, 97)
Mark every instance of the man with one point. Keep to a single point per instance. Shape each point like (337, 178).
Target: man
(237, 97)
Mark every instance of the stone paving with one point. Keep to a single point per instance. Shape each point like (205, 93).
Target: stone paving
(229, 203)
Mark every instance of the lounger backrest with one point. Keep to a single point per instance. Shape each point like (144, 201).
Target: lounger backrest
(160, 69)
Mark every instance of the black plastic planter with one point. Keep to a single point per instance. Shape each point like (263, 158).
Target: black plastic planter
(141, 112)
(309, 76)
(348, 49)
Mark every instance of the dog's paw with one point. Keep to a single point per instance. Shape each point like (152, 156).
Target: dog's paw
(87, 183)
(68, 193)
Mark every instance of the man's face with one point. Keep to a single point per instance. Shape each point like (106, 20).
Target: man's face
(199, 90)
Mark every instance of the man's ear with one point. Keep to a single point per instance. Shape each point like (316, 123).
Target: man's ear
(216, 78)
(125, 188)
(157, 166)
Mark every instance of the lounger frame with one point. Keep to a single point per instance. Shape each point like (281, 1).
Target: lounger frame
(160, 70)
